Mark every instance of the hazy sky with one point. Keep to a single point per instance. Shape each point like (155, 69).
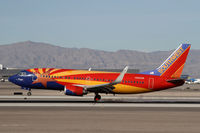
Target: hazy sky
(146, 25)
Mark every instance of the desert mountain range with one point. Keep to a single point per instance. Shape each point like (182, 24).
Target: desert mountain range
(30, 54)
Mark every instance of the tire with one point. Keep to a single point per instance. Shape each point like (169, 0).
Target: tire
(29, 93)
(97, 98)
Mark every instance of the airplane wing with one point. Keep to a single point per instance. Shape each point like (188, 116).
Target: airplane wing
(105, 88)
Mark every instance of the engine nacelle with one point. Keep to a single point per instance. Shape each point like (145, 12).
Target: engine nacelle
(74, 91)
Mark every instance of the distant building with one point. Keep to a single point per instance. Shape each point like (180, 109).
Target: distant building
(184, 77)
(5, 73)
(1, 66)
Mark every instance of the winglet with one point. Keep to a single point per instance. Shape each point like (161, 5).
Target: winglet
(121, 76)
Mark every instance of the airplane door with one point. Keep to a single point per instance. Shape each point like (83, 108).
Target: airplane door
(151, 83)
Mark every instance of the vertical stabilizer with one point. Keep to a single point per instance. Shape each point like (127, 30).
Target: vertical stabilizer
(173, 65)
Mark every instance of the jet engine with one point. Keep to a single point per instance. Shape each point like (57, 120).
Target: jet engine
(74, 91)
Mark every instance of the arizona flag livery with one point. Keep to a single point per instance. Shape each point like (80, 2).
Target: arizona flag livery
(81, 82)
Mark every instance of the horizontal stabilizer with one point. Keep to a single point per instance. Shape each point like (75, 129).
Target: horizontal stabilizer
(176, 81)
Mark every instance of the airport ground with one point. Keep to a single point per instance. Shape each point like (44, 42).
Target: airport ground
(99, 120)
(51, 111)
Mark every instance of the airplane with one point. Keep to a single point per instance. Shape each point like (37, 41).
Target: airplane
(81, 82)
(192, 81)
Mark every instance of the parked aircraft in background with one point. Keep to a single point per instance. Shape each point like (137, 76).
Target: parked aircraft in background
(82, 82)
(192, 81)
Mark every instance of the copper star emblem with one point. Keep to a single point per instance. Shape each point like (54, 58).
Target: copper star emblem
(43, 79)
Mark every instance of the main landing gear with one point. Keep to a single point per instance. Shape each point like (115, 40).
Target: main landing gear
(29, 92)
(97, 97)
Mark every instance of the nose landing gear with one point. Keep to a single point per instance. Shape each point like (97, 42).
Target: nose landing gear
(97, 97)
(29, 92)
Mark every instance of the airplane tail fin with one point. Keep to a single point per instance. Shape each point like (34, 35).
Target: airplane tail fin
(173, 65)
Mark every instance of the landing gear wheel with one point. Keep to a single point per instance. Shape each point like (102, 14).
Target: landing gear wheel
(97, 98)
(29, 93)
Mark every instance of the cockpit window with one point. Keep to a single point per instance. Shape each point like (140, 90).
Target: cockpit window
(22, 74)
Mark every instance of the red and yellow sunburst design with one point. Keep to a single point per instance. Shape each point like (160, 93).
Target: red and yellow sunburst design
(83, 77)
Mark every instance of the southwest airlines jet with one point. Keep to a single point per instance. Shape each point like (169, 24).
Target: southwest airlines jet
(81, 82)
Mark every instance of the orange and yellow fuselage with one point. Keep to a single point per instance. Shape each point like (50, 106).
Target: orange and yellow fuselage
(131, 83)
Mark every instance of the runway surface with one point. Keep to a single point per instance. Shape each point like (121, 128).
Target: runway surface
(173, 111)
(46, 119)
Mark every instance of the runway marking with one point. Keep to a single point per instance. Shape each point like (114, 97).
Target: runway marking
(13, 125)
(104, 97)
(107, 105)
(107, 101)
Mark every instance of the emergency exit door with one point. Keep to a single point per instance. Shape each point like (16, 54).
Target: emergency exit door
(151, 83)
